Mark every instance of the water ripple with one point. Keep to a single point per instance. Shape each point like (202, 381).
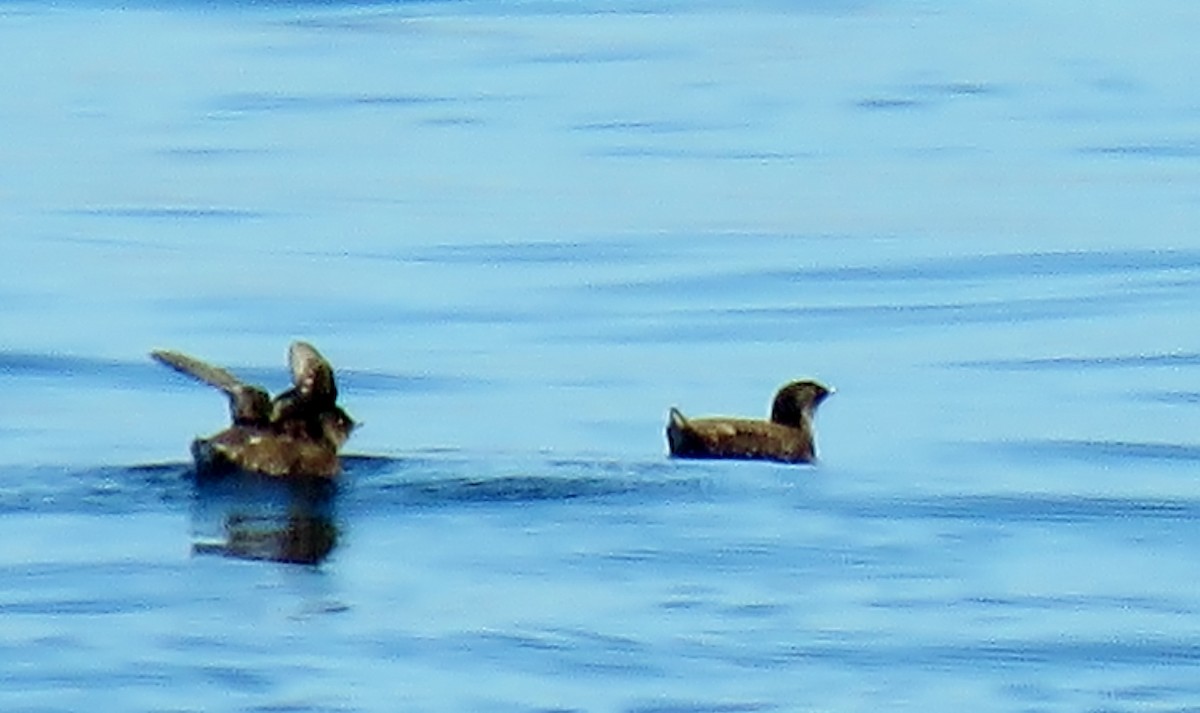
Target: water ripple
(926, 95)
(526, 254)
(700, 707)
(1017, 508)
(959, 268)
(15, 364)
(662, 152)
(760, 324)
(1074, 363)
(370, 482)
(1158, 150)
(439, 482)
(1004, 653)
(141, 373)
(172, 213)
(1093, 450)
(104, 489)
(265, 102)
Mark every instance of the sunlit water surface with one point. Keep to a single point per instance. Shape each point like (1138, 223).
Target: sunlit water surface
(521, 231)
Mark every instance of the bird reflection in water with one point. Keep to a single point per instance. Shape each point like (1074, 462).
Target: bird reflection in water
(254, 517)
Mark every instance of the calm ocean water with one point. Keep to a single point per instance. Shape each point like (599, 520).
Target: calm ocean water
(521, 231)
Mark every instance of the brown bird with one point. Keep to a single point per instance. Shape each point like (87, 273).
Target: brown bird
(787, 437)
(297, 434)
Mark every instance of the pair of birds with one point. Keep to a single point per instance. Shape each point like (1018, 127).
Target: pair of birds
(300, 431)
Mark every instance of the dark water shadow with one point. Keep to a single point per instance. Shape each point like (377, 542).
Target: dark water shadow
(107, 489)
(426, 479)
(253, 517)
(249, 517)
(300, 521)
(451, 480)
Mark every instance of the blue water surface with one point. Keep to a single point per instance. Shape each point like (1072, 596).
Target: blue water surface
(521, 231)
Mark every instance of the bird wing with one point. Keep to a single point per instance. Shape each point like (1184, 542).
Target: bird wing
(199, 370)
(311, 374)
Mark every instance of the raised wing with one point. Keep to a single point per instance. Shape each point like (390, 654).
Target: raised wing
(248, 404)
(199, 370)
(311, 374)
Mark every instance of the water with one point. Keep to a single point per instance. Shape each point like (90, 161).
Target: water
(521, 231)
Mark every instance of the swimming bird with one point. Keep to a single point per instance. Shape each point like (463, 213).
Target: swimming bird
(787, 437)
(298, 433)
